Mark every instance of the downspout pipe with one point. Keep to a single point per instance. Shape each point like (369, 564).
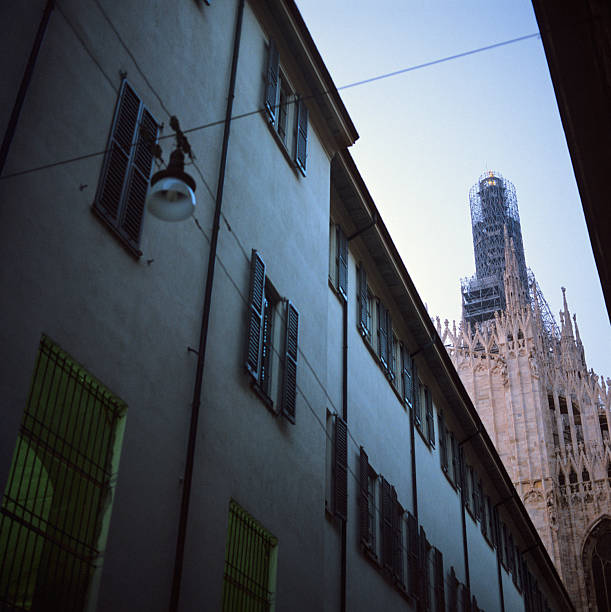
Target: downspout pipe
(201, 357)
(25, 84)
(344, 544)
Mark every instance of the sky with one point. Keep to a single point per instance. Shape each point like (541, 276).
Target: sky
(427, 135)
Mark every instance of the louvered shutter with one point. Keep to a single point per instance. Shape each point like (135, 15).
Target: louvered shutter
(302, 136)
(424, 572)
(139, 176)
(429, 417)
(462, 478)
(271, 86)
(413, 554)
(497, 531)
(510, 555)
(256, 297)
(363, 298)
(455, 460)
(416, 386)
(485, 508)
(453, 591)
(479, 510)
(443, 447)
(386, 524)
(382, 334)
(342, 262)
(397, 549)
(390, 347)
(472, 493)
(289, 379)
(364, 499)
(406, 374)
(440, 597)
(340, 464)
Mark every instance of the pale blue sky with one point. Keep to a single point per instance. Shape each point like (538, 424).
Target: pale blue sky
(426, 136)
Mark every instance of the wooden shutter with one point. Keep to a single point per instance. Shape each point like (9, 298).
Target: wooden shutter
(382, 334)
(479, 510)
(406, 375)
(390, 347)
(256, 297)
(425, 584)
(363, 298)
(342, 262)
(455, 459)
(386, 524)
(430, 427)
(462, 478)
(416, 394)
(440, 596)
(271, 86)
(485, 502)
(340, 469)
(139, 176)
(302, 136)
(453, 591)
(413, 554)
(443, 446)
(364, 499)
(289, 379)
(472, 492)
(397, 548)
(497, 531)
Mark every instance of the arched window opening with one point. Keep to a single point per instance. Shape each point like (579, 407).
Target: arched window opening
(585, 475)
(572, 476)
(561, 480)
(597, 565)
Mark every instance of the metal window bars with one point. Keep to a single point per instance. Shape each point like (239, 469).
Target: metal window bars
(58, 487)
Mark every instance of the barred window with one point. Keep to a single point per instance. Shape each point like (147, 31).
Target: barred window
(58, 497)
(251, 561)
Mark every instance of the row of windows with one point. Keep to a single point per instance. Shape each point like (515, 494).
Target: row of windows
(374, 323)
(391, 539)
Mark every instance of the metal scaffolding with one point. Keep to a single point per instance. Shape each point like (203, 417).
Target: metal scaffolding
(494, 208)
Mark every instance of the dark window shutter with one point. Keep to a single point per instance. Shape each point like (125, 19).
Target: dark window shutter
(416, 394)
(462, 478)
(464, 598)
(430, 427)
(453, 591)
(340, 471)
(443, 447)
(413, 554)
(140, 174)
(440, 597)
(342, 262)
(455, 459)
(127, 167)
(397, 548)
(301, 148)
(271, 86)
(382, 334)
(363, 301)
(390, 347)
(406, 374)
(472, 492)
(266, 347)
(365, 533)
(511, 555)
(485, 501)
(497, 531)
(479, 510)
(289, 380)
(256, 298)
(386, 524)
(424, 572)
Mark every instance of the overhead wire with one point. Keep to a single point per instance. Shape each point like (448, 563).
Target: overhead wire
(243, 115)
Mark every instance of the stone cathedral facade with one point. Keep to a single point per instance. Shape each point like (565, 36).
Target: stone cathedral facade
(548, 415)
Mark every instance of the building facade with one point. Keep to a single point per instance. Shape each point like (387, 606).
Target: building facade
(248, 410)
(549, 417)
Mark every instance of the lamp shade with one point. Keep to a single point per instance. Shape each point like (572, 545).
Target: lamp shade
(170, 199)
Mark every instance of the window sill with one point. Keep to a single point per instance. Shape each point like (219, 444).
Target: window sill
(282, 145)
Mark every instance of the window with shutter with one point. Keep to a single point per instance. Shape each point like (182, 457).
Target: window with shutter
(342, 262)
(340, 469)
(425, 578)
(413, 555)
(406, 375)
(417, 395)
(363, 302)
(479, 510)
(383, 334)
(126, 170)
(398, 538)
(271, 85)
(386, 524)
(272, 338)
(443, 448)
(430, 428)
(367, 480)
(301, 144)
(440, 598)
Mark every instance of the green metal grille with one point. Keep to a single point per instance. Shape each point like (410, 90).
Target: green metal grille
(250, 564)
(59, 487)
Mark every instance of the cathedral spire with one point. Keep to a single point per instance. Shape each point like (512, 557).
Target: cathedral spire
(567, 327)
(514, 292)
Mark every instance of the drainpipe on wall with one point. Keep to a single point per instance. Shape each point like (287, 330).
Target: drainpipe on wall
(199, 372)
(345, 417)
(25, 84)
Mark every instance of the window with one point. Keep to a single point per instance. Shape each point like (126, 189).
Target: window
(423, 413)
(384, 335)
(443, 448)
(341, 262)
(126, 170)
(272, 342)
(57, 503)
(367, 501)
(438, 582)
(407, 368)
(364, 303)
(283, 107)
(340, 468)
(251, 561)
